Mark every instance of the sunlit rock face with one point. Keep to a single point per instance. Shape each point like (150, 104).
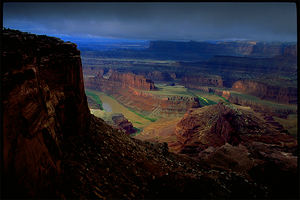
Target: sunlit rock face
(280, 94)
(43, 104)
(223, 123)
(131, 91)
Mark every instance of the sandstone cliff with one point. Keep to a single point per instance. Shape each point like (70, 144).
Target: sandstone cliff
(132, 80)
(146, 103)
(280, 94)
(200, 80)
(222, 48)
(278, 111)
(43, 104)
(292, 50)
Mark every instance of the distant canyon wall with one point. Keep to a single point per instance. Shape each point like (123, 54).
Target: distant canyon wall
(195, 80)
(279, 94)
(44, 103)
(132, 80)
(131, 95)
(226, 48)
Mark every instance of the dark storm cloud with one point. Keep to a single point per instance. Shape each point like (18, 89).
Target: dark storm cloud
(168, 21)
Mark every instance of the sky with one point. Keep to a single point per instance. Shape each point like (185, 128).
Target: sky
(156, 21)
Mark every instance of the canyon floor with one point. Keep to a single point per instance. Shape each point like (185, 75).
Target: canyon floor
(206, 98)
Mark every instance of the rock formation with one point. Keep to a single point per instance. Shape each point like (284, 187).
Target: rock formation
(116, 120)
(150, 104)
(292, 50)
(223, 123)
(43, 104)
(280, 111)
(192, 81)
(280, 94)
(226, 48)
(133, 81)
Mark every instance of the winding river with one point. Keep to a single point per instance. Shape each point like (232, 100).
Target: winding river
(111, 105)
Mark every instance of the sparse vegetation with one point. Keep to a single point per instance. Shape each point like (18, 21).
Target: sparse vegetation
(137, 132)
(145, 117)
(221, 97)
(167, 90)
(148, 118)
(95, 97)
(204, 101)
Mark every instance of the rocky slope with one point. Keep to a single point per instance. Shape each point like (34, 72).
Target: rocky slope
(234, 138)
(132, 97)
(228, 123)
(108, 164)
(43, 105)
(116, 120)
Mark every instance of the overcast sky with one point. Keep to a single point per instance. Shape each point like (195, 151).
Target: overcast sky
(156, 21)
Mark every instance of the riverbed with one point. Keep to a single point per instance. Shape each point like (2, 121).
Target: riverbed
(111, 105)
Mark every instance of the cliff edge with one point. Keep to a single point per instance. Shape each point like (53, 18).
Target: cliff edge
(43, 104)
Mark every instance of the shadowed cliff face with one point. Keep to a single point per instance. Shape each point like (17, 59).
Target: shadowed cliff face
(43, 104)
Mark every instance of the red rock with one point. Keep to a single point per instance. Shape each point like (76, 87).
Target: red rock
(223, 123)
(121, 123)
(43, 103)
(265, 91)
(132, 80)
(200, 80)
(139, 100)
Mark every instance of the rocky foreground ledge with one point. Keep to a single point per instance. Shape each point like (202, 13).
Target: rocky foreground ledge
(54, 148)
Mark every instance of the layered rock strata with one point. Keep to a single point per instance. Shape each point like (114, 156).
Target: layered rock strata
(262, 108)
(132, 80)
(193, 81)
(146, 103)
(279, 111)
(280, 94)
(226, 48)
(44, 103)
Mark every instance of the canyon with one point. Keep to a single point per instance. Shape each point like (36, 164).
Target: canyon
(140, 95)
(55, 148)
(237, 71)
